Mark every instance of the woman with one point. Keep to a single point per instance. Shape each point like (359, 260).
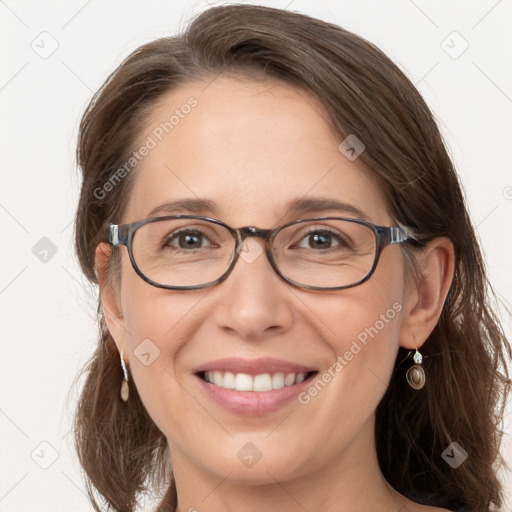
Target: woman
(293, 304)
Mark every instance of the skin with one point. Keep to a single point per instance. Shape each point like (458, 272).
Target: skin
(251, 147)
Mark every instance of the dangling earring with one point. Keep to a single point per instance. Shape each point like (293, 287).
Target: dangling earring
(125, 390)
(415, 374)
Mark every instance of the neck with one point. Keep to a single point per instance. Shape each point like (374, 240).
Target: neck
(350, 482)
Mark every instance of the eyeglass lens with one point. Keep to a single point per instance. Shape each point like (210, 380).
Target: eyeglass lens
(191, 252)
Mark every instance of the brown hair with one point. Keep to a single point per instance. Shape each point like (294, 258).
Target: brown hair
(121, 450)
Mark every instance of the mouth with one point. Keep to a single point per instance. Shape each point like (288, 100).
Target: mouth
(253, 387)
(261, 382)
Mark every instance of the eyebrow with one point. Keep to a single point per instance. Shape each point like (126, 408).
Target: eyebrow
(294, 207)
(186, 206)
(320, 204)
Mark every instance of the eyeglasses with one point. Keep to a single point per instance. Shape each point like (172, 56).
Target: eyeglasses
(186, 252)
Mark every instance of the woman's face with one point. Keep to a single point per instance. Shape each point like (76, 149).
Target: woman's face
(251, 149)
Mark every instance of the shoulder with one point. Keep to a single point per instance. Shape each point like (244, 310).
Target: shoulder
(412, 506)
(426, 508)
(417, 504)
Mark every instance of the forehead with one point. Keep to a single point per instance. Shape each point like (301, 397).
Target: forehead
(251, 147)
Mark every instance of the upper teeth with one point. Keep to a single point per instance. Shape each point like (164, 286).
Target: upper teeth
(261, 382)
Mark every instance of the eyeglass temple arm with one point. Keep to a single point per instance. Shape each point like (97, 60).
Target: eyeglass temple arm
(398, 234)
(115, 234)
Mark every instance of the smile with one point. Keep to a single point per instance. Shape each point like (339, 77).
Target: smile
(253, 387)
(259, 383)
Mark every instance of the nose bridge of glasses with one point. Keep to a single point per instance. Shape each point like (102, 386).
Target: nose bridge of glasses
(251, 231)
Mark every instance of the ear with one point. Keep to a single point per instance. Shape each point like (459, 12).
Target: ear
(426, 297)
(109, 294)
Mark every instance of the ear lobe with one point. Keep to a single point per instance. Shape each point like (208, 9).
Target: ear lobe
(109, 294)
(426, 297)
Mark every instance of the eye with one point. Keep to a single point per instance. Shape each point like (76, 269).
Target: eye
(187, 239)
(323, 239)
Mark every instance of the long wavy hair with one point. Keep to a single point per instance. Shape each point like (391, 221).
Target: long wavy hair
(124, 455)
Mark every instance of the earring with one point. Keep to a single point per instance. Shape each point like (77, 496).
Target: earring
(125, 390)
(415, 374)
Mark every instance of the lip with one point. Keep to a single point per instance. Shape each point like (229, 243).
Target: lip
(254, 366)
(252, 403)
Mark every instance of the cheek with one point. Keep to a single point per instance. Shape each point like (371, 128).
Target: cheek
(155, 313)
(373, 343)
(364, 326)
(155, 322)
(366, 358)
(364, 343)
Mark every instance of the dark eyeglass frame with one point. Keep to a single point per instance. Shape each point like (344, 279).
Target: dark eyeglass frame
(123, 234)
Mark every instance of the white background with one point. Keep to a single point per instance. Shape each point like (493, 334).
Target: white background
(48, 310)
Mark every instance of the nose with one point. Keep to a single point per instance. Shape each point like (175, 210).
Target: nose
(254, 303)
